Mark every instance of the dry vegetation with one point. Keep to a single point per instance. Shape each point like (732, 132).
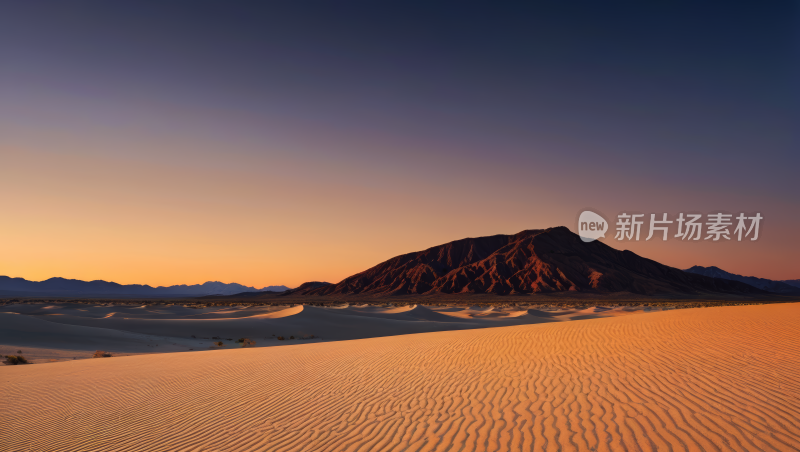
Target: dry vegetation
(13, 360)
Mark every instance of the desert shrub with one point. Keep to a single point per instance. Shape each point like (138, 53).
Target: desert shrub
(291, 337)
(219, 344)
(241, 339)
(280, 338)
(13, 360)
(101, 354)
(247, 342)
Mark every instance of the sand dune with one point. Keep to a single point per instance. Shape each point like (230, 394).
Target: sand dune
(42, 339)
(180, 328)
(279, 314)
(700, 379)
(540, 313)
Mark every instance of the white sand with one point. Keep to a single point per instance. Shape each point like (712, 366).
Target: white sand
(44, 332)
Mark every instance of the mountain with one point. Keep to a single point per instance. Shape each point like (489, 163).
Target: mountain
(781, 287)
(548, 260)
(792, 282)
(268, 295)
(61, 287)
(306, 287)
(274, 289)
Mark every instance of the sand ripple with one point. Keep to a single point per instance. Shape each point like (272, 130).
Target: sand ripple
(701, 379)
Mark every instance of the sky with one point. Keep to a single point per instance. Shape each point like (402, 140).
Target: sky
(181, 142)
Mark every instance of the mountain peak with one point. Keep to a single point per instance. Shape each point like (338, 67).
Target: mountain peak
(538, 260)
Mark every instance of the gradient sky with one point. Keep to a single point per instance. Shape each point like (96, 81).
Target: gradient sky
(179, 142)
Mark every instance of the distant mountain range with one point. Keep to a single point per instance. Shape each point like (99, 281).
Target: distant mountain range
(548, 260)
(792, 282)
(60, 287)
(545, 260)
(791, 287)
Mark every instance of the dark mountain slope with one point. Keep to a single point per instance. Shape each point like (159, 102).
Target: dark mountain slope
(532, 261)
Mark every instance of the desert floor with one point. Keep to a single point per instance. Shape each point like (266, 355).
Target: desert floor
(51, 332)
(724, 378)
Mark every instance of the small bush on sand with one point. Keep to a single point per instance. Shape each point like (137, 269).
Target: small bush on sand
(101, 354)
(241, 339)
(280, 338)
(13, 360)
(291, 337)
(219, 344)
(248, 342)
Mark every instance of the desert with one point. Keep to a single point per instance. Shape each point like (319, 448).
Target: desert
(532, 341)
(399, 226)
(54, 331)
(718, 378)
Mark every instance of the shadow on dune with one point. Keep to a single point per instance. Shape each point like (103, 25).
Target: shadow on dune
(549, 314)
(107, 327)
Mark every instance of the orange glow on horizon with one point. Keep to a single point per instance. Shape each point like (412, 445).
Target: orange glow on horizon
(92, 216)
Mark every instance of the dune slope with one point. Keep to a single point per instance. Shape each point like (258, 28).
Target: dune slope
(697, 379)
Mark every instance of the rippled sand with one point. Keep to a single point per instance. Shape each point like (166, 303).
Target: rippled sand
(724, 378)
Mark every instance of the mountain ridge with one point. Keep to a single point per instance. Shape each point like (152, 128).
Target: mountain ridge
(58, 286)
(531, 261)
(792, 282)
(769, 285)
